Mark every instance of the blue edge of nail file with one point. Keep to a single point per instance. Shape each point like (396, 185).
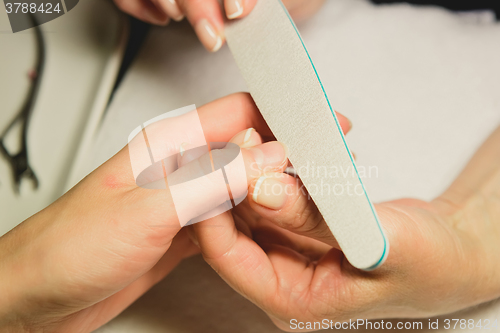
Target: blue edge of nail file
(286, 87)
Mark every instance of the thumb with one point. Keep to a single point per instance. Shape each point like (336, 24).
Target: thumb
(283, 200)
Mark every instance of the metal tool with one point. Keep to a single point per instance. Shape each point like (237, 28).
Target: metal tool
(19, 162)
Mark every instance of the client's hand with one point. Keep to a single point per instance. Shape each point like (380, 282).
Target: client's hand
(78, 263)
(277, 251)
(206, 15)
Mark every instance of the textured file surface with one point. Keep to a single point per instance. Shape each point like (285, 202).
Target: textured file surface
(283, 81)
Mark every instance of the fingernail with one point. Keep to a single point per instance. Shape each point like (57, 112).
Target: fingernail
(270, 193)
(247, 138)
(270, 156)
(248, 133)
(234, 9)
(172, 9)
(208, 35)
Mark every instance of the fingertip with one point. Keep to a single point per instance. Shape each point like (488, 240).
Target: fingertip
(171, 7)
(345, 123)
(249, 5)
(282, 200)
(269, 157)
(271, 191)
(206, 17)
(236, 9)
(145, 11)
(247, 138)
(211, 37)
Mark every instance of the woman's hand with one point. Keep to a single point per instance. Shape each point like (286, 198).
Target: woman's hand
(277, 251)
(78, 263)
(206, 16)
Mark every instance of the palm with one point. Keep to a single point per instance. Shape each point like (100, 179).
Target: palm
(299, 277)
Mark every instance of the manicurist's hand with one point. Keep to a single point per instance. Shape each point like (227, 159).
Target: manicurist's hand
(207, 16)
(78, 263)
(277, 251)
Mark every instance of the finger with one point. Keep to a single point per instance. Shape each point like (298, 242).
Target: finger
(344, 122)
(147, 219)
(206, 18)
(293, 4)
(144, 10)
(238, 8)
(151, 218)
(218, 236)
(268, 234)
(199, 187)
(301, 10)
(284, 201)
(171, 8)
(257, 160)
(267, 276)
(238, 259)
(247, 138)
(222, 118)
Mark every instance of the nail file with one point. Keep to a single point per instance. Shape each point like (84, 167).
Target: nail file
(282, 80)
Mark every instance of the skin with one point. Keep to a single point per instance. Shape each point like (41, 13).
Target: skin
(78, 263)
(82, 260)
(160, 12)
(444, 253)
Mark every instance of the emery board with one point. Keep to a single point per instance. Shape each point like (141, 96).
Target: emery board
(282, 80)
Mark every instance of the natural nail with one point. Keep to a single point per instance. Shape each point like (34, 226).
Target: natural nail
(173, 10)
(247, 138)
(270, 193)
(270, 156)
(208, 35)
(234, 8)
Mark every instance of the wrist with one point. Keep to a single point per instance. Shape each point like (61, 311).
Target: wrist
(11, 287)
(477, 231)
(24, 286)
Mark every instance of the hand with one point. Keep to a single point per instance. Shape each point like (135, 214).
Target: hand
(206, 15)
(78, 263)
(277, 251)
